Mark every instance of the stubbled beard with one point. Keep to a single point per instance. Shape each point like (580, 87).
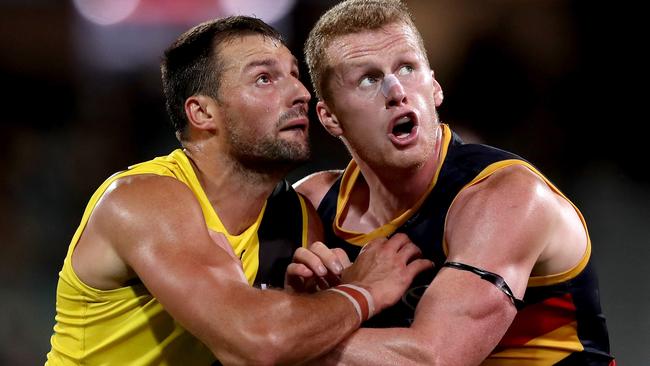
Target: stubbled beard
(267, 154)
(368, 152)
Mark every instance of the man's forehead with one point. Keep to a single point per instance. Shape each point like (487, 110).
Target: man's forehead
(241, 51)
(350, 47)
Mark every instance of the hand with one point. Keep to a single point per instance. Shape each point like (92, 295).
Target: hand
(386, 267)
(316, 268)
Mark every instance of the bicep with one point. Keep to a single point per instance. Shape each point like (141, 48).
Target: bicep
(167, 244)
(461, 317)
(500, 225)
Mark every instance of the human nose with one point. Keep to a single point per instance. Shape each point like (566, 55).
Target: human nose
(301, 94)
(393, 90)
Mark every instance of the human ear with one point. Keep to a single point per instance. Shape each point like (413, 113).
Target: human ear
(200, 111)
(437, 91)
(328, 119)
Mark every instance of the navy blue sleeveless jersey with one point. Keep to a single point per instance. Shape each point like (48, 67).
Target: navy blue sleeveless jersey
(561, 323)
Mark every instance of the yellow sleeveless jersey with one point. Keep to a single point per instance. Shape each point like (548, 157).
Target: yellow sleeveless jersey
(128, 326)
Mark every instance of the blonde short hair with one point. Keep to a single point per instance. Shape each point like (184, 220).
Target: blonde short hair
(345, 18)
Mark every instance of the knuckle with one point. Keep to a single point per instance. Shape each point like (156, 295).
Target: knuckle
(338, 252)
(300, 251)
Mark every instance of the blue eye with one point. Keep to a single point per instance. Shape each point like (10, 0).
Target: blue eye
(367, 81)
(263, 80)
(405, 70)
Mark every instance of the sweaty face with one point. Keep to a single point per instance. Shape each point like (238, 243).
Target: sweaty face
(264, 104)
(382, 97)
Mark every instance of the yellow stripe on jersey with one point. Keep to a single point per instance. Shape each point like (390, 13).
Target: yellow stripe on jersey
(545, 350)
(349, 179)
(305, 222)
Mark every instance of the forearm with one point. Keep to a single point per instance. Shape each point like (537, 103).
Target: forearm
(369, 346)
(460, 332)
(273, 327)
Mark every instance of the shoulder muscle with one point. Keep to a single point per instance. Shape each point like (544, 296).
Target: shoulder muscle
(315, 186)
(502, 223)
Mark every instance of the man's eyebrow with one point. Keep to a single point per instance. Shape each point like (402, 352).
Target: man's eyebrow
(263, 62)
(356, 67)
(266, 62)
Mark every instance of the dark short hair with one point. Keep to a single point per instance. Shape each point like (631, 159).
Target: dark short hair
(192, 66)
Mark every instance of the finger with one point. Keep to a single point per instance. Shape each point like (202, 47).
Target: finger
(417, 266)
(343, 257)
(397, 241)
(299, 270)
(327, 257)
(374, 243)
(310, 260)
(410, 252)
(332, 279)
(299, 278)
(293, 282)
(322, 284)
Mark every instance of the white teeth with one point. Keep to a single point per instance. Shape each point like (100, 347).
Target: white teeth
(403, 120)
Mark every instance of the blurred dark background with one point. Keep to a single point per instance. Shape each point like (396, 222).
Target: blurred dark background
(561, 83)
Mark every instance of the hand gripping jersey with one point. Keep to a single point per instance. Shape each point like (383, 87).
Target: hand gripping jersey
(128, 326)
(561, 322)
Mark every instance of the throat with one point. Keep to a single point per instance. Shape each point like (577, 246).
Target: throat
(237, 196)
(371, 208)
(237, 216)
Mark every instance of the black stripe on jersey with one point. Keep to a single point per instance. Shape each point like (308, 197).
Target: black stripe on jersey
(279, 234)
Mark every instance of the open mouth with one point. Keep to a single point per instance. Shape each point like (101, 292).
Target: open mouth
(404, 129)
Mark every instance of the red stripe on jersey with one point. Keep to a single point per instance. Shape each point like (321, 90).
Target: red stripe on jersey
(538, 319)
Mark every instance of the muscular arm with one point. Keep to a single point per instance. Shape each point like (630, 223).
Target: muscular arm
(502, 225)
(155, 227)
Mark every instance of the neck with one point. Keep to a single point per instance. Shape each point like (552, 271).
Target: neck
(237, 194)
(386, 193)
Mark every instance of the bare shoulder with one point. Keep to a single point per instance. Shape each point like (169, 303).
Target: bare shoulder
(517, 187)
(315, 186)
(136, 200)
(512, 185)
(129, 211)
(511, 211)
(514, 212)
